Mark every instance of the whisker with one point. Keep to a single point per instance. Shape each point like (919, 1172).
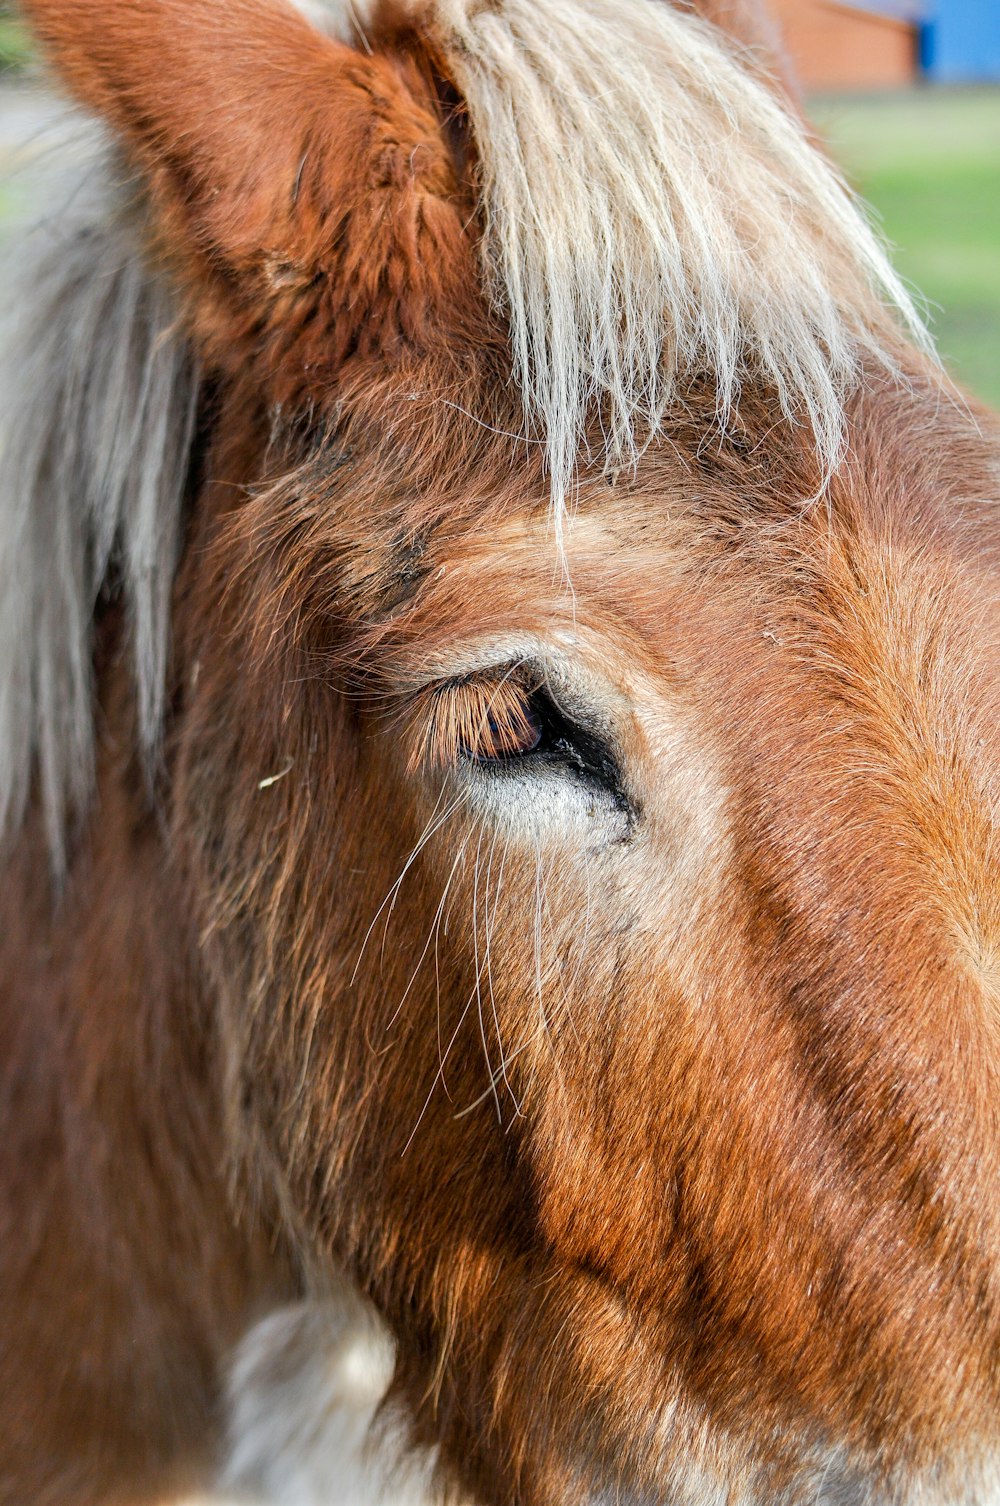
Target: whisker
(431, 935)
(541, 909)
(489, 964)
(479, 964)
(434, 825)
(443, 1058)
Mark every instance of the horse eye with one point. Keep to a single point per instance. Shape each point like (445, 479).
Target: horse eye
(499, 720)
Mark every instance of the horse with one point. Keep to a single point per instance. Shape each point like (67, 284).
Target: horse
(499, 774)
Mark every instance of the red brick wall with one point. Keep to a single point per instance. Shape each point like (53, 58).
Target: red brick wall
(837, 47)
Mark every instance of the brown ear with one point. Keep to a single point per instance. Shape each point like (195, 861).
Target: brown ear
(290, 176)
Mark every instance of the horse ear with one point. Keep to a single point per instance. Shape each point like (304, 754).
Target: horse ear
(289, 174)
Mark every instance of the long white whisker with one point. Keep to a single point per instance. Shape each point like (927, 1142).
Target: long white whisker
(479, 964)
(433, 825)
(540, 911)
(443, 1056)
(489, 964)
(584, 939)
(431, 937)
(541, 1029)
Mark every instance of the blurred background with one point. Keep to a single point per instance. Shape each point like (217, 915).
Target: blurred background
(907, 93)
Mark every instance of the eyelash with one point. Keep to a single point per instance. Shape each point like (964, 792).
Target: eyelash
(482, 720)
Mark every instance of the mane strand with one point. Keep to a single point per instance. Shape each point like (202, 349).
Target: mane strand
(654, 213)
(97, 411)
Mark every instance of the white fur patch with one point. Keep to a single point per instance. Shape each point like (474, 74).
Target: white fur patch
(305, 1388)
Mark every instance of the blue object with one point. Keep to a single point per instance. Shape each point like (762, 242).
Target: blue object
(960, 41)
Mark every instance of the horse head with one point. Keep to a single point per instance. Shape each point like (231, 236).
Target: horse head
(550, 669)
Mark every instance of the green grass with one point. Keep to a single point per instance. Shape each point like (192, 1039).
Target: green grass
(929, 164)
(14, 46)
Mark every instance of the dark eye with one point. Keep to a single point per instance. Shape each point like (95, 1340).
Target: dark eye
(505, 720)
(564, 739)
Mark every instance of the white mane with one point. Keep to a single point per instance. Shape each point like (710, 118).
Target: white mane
(97, 408)
(652, 214)
(655, 213)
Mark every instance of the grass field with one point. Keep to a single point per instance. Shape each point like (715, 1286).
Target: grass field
(13, 41)
(929, 164)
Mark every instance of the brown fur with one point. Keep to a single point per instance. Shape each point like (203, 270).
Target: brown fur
(729, 1205)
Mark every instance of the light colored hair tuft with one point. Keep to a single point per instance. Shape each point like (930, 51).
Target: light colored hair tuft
(655, 213)
(97, 408)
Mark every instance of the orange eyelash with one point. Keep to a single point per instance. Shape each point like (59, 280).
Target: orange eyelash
(481, 719)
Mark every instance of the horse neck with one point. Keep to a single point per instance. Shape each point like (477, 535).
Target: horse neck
(122, 1242)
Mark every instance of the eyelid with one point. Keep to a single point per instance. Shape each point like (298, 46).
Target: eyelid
(507, 733)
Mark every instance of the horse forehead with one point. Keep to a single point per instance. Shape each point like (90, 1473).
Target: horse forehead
(596, 576)
(658, 571)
